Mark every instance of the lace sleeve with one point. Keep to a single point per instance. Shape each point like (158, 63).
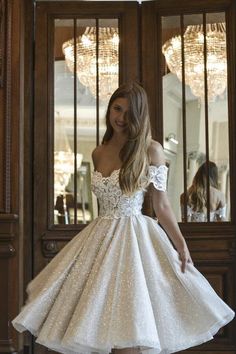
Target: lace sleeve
(158, 176)
(221, 212)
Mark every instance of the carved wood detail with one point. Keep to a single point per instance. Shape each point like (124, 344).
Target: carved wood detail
(50, 248)
(7, 233)
(53, 242)
(7, 222)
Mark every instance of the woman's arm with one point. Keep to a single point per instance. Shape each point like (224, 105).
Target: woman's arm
(164, 211)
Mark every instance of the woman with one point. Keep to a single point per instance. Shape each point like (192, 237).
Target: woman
(197, 196)
(119, 285)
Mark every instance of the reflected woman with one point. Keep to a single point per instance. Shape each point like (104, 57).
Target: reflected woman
(197, 196)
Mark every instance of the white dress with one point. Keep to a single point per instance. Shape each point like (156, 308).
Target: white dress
(118, 284)
(198, 216)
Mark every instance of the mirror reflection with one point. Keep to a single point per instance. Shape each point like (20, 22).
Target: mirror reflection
(195, 115)
(196, 196)
(86, 53)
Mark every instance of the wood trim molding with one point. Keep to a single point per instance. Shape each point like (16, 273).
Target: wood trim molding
(7, 235)
(169, 6)
(7, 222)
(2, 40)
(8, 55)
(52, 241)
(45, 244)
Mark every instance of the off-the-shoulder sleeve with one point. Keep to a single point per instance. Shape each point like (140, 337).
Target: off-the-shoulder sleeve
(221, 212)
(158, 176)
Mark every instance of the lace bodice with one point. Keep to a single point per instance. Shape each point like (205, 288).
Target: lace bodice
(113, 202)
(215, 215)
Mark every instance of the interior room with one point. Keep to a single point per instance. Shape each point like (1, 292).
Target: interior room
(60, 62)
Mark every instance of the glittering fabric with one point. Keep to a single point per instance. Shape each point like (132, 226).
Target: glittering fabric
(118, 284)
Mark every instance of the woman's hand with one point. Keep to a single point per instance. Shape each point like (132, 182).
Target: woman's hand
(185, 257)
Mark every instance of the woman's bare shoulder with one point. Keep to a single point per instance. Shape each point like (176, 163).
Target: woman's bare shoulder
(96, 153)
(156, 153)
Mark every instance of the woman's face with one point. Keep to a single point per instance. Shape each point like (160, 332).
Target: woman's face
(118, 114)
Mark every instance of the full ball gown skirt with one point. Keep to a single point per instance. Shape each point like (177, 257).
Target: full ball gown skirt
(118, 284)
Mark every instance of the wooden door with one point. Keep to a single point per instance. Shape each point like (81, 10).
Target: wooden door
(69, 113)
(57, 219)
(177, 112)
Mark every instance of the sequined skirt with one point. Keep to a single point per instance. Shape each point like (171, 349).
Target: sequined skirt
(118, 284)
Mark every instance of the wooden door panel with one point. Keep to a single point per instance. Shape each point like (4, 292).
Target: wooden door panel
(49, 239)
(127, 13)
(212, 245)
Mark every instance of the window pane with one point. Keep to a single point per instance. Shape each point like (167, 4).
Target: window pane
(172, 110)
(79, 105)
(218, 114)
(108, 66)
(193, 121)
(195, 114)
(63, 120)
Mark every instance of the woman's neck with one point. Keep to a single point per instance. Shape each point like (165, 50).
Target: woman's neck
(118, 140)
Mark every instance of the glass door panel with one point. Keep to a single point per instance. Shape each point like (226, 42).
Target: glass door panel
(86, 72)
(195, 115)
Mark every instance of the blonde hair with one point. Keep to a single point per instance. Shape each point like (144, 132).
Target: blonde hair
(134, 153)
(197, 193)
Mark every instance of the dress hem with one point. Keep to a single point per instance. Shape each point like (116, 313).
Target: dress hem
(150, 347)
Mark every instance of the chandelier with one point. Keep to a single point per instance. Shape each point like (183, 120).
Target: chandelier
(216, 60)
(88, 66)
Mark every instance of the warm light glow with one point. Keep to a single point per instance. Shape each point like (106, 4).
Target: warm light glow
(216, 66)
(64, 162)
(107, 65)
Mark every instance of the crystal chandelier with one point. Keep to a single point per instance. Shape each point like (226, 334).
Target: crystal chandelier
(216, 60)
(88, 66)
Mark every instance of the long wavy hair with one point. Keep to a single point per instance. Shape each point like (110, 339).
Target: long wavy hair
(134, 153)
(197, 193)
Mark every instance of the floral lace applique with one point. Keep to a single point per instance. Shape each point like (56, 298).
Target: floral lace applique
(113, 203)
(158, 176)
(197, 216)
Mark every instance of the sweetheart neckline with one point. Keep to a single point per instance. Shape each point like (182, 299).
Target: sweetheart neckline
(118, 169)
(105, 177)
